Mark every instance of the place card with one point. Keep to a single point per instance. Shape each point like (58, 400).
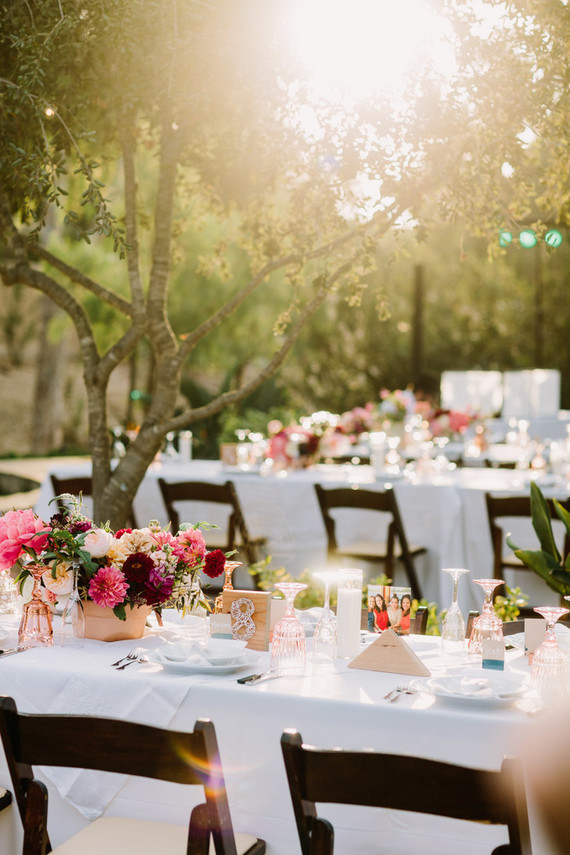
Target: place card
(493, 654)
(390, 653)
(534, 632)
(250, 613)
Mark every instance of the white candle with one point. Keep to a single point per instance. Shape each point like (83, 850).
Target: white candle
(348, 613)
(185, 446)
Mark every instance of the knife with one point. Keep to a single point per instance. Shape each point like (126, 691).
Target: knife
(12, 650)
(260, 678)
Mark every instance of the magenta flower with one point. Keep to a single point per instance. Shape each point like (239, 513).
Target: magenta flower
(108, 587)
(214, 563)
(190, 546)
(158, 589)
(20, 529)
(138, 567)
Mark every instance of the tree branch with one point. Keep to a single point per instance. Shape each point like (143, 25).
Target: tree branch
(133, 265)
(86, 282)
(22, 272)
(228, 398)
(190, 341)
(120, 350)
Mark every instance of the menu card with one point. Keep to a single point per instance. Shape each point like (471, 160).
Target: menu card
(390, 653)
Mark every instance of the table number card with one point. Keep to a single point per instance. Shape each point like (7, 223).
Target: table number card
(390, 653)
(534, 632)
(250, 616)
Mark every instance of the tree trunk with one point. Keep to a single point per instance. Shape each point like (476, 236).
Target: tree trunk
(47, 428)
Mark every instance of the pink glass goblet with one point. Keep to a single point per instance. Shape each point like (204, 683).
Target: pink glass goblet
(487, 626)
(288, 648)
(549, 663)
(35, 626)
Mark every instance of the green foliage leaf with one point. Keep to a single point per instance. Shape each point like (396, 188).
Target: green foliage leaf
(563, 514)
(542, 523)
(544, 565)
(120, 612)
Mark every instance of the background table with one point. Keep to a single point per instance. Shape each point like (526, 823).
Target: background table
(346, 708)
(445, 512)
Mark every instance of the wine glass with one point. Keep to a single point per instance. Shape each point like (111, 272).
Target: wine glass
(453, 627)
(244, 448)
(324, 639)
(288, 645)
(487, 626)
(549, 663)
(72, 626)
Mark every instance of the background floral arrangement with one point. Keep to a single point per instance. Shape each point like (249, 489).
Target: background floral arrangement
(449, 422)
(131, 567)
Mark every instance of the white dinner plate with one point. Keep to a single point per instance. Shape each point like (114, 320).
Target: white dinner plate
(245, 660)
(481, 688)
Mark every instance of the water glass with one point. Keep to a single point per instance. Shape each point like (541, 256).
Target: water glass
(324, 638)
(288, 648)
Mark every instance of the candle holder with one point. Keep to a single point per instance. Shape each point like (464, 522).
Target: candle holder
(229, 568)
(348, 613)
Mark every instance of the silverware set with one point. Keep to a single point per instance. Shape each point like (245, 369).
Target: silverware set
(395, 694)
(137, 654)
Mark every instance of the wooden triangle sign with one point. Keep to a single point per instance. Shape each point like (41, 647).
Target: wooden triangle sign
(390, 653)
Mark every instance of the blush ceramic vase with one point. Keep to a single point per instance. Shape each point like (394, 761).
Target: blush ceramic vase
(102, 623)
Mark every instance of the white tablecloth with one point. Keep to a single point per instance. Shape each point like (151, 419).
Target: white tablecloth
(445, 513)
(346, 708)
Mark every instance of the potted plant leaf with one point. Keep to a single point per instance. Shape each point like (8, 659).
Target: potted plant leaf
(547, 561)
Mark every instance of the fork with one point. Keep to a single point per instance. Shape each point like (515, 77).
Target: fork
(132, 660)
(394, 695)
(130, 657)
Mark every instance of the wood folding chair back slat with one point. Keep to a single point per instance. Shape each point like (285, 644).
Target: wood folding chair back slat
(80, 485)
(237, 533)
(396, 547)
(319, 776)
(113, 745)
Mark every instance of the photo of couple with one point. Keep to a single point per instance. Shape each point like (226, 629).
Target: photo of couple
(389, 608)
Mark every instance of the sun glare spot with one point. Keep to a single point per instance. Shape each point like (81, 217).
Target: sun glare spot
(355, 49)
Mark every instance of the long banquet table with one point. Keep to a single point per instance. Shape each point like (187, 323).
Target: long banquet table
(444, 512)
(345, 708)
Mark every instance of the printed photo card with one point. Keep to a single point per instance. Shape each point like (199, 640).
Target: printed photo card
(389, 607)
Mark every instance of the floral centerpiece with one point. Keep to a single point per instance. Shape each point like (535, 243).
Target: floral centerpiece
(120, 570)
(294, 446)
(394, 406)
(449, 423)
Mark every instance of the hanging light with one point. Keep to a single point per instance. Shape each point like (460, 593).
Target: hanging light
(553, 238)
(527, 238)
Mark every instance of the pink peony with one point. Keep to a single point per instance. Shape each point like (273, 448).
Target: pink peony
(19, 529)
(190, 546)
(108, 587)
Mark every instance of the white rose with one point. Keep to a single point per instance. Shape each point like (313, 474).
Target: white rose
(63, 582)
(97, 542)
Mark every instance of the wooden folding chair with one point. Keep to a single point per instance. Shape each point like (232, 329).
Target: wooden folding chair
(387, 553)
(398, 782)
(113, 745)
(237, 534)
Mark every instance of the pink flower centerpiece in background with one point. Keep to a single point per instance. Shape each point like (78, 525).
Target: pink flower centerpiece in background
(132, 567)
